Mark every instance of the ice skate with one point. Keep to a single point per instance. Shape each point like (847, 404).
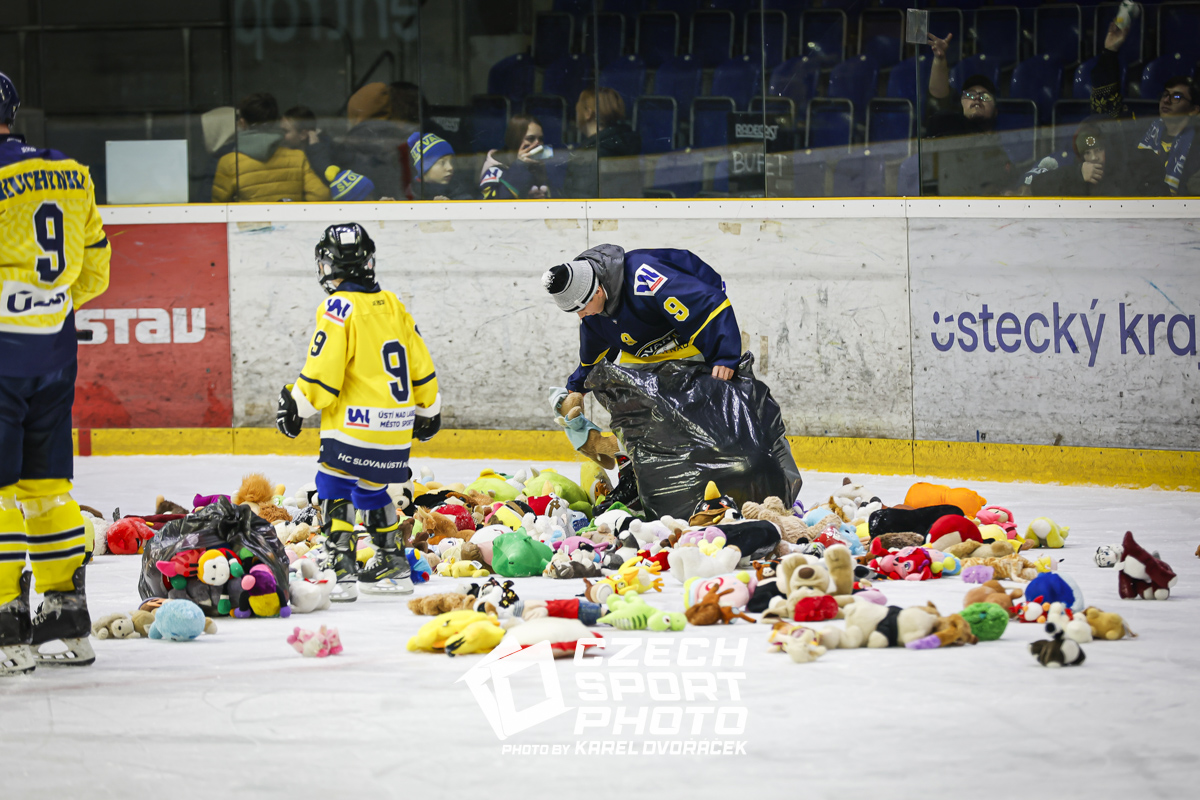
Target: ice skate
(340, 547)
(15, 630)
(387, 572)
(63, 616)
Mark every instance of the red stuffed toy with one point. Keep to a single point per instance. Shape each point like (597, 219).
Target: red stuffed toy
(815, 609)
(909, 564)
(1141, 575)
(125, 536)
(952, 529)
(460, 514)
(659, 558)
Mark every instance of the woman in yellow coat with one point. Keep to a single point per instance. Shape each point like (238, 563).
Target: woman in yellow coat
(261, 169)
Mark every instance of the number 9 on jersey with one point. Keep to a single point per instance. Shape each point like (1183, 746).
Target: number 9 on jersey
(395, 364)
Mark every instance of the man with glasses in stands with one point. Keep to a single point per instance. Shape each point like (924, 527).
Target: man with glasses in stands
(1170, 139)
(975, 166)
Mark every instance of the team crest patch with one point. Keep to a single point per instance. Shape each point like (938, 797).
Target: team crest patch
(491, 175)
(337, 309)
(627, 339)
(647, 281)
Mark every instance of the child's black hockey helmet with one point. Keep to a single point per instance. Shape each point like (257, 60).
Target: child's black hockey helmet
(346, 252)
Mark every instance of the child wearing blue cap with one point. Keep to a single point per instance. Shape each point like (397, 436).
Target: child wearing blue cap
(433, 169)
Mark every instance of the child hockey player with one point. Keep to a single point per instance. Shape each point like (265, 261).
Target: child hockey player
(54, 257)
(371, 378)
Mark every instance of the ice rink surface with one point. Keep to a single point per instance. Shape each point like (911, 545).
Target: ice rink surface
(240, 714)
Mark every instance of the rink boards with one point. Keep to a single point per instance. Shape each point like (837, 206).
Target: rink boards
(883, 326)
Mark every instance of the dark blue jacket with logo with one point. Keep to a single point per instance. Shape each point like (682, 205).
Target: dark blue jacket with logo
(673, 306)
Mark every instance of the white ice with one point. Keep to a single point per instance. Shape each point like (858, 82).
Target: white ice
(240, 714)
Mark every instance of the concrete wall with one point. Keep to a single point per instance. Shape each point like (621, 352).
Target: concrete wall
(848, 305)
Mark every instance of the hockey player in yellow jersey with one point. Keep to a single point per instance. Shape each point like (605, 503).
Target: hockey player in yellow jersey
(370, 376)
(54, 257)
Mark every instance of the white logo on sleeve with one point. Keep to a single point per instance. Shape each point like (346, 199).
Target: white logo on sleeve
(646, 281)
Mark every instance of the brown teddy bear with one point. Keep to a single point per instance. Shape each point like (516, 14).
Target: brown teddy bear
(115, 626)
(993, 592)
(791, 528)
(898, 540)
(953, 631)
(437, 526)
(797, 576)
(433, 604)
(1009, 568)
(601, 449)
(257, 492)
(974, 549)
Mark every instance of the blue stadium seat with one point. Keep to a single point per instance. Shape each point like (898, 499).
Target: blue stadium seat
(684, 8)
(1179, 30)
(1081, 88)
(1058, 32)
(512, 77)
(908, 182)
(739, 78)
(889, 119)
(710, 121)
(997, 32)
(943, 21)
(738, 7)
(859, 176)
(975, 65)
(797, 79)
(655, 119)
(551, 112)
(627, 76)
(1066, 118)
(680, 172)
(767, 35)
(679, 78)
(1131, 51)
(880, 35)
(808, 174)
(657, 37)
(711, 37)
(1016, 122)
(552, 37)
(1038, 79)
(904, 82)
(489, 121)
(829, 123)
(610, 28)
(855, 79)
(1159, 71)
(576, 8)
(565, 78)
(823, 35)
(629, 9)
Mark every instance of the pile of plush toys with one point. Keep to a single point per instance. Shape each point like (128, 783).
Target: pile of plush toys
(790, 565)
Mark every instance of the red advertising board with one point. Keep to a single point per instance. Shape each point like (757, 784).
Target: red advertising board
(159, 357)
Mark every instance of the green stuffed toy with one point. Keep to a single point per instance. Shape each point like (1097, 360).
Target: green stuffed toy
(987, 620)
(548, 481)
(517, 555)
(490, 482)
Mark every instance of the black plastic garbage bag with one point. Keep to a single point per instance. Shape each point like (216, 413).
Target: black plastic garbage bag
(682, 428)
(219, 525)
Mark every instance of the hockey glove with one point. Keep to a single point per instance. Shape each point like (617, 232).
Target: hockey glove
(425, 428)
(287, 416)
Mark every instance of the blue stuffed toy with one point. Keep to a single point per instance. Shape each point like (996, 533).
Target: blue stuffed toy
(418, 568)
(177, 621)
(1052, 587)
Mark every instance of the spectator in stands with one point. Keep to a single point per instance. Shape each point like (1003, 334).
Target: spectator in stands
(980, 166)
(300, 132)
(1171, 139)
(433, 170)
(519, 171)
(600, 118)
(372, 145)
(261, 169)
(1105, 166)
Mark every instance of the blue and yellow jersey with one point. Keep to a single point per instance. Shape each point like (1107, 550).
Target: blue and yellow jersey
(370, 375)
(54, 256)
(673, 306)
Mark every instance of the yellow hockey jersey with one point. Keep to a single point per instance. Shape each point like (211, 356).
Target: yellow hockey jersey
(370, 375)
(54, 256)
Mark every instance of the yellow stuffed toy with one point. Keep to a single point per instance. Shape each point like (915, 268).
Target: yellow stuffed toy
(458, 633)
(454, 568)
(1107, 626)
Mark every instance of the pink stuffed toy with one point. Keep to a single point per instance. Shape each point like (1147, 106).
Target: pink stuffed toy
(709, 534)
(324, 642)
(909, 564)
(996, 515)
(572, 543)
